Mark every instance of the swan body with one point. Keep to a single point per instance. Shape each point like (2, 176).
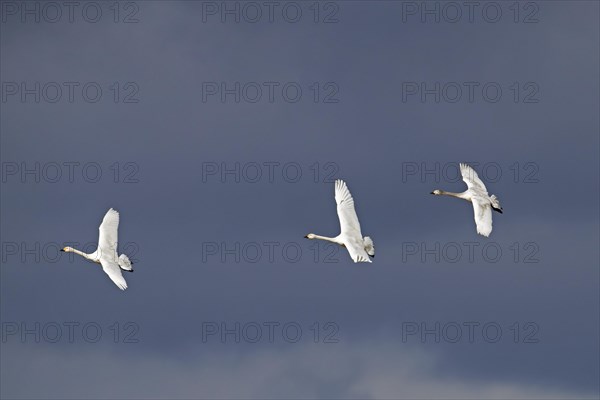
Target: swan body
(359, 247)
(106, 254)
(477, 194)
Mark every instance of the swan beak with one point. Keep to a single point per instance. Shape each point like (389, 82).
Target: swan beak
(431, 193)
(305, 236)
(62, 249)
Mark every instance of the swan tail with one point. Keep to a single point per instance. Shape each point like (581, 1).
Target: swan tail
(369, 246)
(496, 203)
(125, 264)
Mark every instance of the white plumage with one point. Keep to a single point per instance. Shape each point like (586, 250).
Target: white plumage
(106, 254)
(350, 237)
(477, 194)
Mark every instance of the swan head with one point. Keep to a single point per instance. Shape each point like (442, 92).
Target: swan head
(67, 249)
(437, 192)
(310, 236)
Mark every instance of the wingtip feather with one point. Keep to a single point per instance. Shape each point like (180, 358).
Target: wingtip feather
(486, 234)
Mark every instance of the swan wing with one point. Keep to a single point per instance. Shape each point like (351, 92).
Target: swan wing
(109, 234)
(357, 251)
(471, 178)
(483, 217)
(349, 224)
(369, 246)
(114, 272)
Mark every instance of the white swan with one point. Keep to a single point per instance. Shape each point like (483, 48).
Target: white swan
(350, 237)
(477, 194)
(106, 254)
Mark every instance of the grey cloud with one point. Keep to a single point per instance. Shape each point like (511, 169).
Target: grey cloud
(368, 370)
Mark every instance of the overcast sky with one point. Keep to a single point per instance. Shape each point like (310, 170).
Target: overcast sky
(218, 142)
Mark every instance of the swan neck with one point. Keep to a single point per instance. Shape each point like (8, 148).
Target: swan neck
(328, 239)
(452, 194)
(81, 253)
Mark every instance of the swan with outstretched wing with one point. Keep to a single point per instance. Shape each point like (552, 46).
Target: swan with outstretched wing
(477, 194)
(359, 247)
(106, 254)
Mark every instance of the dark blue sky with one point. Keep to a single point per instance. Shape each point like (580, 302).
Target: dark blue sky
(167, 116)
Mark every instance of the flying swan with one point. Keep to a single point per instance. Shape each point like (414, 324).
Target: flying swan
(477, 194)
(351, 238)
(106, 254)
